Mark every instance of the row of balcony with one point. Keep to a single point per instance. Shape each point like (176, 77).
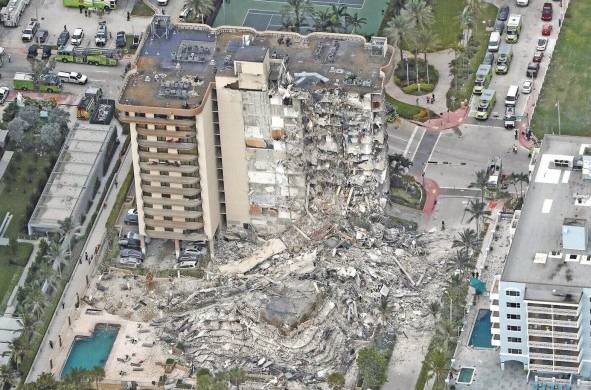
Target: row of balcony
(165, 133)
(551, 333)
(553, 368)
(193, 236)
(172, 213)
(552, 322)
(181, 123)
(169, 156)
(172, 202)
(171, 179)
(167, 167)
(560, 346)
(171, 190)
(551, 310)
(169, 145)
(173, 224)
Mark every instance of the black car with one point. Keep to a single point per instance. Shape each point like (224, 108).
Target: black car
(63, 38)
(32, 52)
(120, 41)
(499, 26)
(532, 70)
(489, 59)
(41, 36)
(46, 52)
(136, 40)
(503, 14)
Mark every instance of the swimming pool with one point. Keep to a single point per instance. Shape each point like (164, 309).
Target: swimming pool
(481, 336)
(93, 351)
(466, 375)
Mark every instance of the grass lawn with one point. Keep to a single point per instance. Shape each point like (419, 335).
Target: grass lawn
(141, 9)
(568, 79)
(409, 111)
(17, 195)
(446, 27)
(11, 267)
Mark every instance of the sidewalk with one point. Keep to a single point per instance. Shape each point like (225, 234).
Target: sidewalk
(448, 120)
(76, 286)
(10, 306)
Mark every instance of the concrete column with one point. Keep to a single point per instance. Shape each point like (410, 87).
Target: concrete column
(143, 243)
(177, 248)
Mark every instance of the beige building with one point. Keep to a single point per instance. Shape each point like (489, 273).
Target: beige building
(232, 127)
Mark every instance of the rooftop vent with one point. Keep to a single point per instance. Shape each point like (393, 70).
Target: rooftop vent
(574, 234)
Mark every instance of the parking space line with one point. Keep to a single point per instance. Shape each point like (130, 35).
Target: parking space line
(417, 148)
(412, 137)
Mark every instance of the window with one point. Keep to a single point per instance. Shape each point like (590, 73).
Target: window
(512, 293)
(513, 317)
(514, 351)
(515, 328)
(515, 305)
(514, 339)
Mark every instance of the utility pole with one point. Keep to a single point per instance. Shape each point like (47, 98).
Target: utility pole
(558, 111)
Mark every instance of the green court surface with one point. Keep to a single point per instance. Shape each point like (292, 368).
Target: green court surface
(266, 14)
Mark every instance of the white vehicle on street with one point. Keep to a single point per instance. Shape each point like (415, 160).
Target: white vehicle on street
(4, 91)
(77, 37)
(522, 3)
(527, 87)
(72, 77)
(542, 43)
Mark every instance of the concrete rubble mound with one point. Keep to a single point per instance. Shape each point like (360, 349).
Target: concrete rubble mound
(295, 307)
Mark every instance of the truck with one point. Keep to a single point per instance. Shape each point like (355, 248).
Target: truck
(91, 4)
(100, 39)
(486, 104)
(88, 55)
(504, 59)
(88, 103)
(494, 170)
(10, 15)
(513, 28)
(510, 117)
(483, 76)
(48, 82)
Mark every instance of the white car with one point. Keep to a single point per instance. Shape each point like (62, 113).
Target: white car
(4, 91)
(527, 87)
(77, 37)
(522, 3)
(542, 43)
(162, 3)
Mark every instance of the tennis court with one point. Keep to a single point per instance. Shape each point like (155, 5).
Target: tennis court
(266, 14)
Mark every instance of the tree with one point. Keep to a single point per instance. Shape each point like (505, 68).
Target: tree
(322, 19)
(461, 260)
(467, 240)
(338, 14)
(399, 164)
(236, 377)
(66, 227)
(419, 12)
(336, 381)
(480, 183)
(46, 381)
(355, 22)
(372, 367)
(476, 210)
(7, 375)
(200, 7)
(59, 117)
(424, 41)
(396, 30)
(76, 376)
(28, 322)
(98, 375)
(521, 178)
(294, 14)
(36, 302)
(50, 136)
(30, 114)
(434, 308)
(16, 130)
(18, 348)
(436, 363)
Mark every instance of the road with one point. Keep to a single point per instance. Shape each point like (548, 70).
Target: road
(77, 284)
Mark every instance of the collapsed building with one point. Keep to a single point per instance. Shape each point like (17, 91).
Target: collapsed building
(231, 127)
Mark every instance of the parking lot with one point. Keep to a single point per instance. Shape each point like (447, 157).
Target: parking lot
(523, 52)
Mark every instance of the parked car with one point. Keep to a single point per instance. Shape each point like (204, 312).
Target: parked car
(100, 39)
(538, 56)
(186, 264)
(30, 31)
(527, 86)
(131, 217)
(546, 29)
(489, 59)
(32, 51)
(186, 13)
(547, 12)
(136, 40)
(120, 40)
(533, 68)
(46, 52)
(130, 262)
(4, 91)
(542, 43)
(41, 36)
(72, 77)
(63, 38)
(131, 240)
(127, 252)
(162, 3)
(77, 36)
(499, 26)
(503, 14)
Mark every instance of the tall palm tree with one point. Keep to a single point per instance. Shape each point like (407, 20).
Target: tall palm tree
(338, 16)
(521, 178)
(296, 12)
(322, 20)
(201, 7)
(355, 22)
(396, 30)
(437, 366)
(46, 272)
(480, 182)
(419, 12)
(476, 210)
(76, 376)
(7, 375)
(467, 241)
(18, 349)
(236, 376)
(67, 228)
(425, 41)
(28, 322)
(461, 260)
(36, 302)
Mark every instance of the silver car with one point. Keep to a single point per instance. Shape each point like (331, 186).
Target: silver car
(127, 252)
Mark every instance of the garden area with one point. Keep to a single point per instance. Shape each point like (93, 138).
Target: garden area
(415, 77)
(407, 111)
(404, 189)
(568, 80)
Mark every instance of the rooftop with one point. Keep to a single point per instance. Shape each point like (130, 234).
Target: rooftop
(176, 63)
(558, 195)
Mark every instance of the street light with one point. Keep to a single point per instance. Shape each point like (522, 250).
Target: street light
(558, 112)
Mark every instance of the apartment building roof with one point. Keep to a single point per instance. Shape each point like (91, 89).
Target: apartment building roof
(554, 222)
(176, 63)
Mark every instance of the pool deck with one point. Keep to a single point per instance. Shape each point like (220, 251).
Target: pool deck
(153, 357)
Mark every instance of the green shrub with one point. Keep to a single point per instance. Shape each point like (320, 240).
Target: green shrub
(402, 79)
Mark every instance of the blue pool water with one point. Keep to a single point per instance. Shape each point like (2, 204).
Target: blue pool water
(481, 336)
(91, 352)
(466, 374)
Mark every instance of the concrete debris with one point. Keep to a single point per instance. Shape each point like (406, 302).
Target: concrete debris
(292, 309)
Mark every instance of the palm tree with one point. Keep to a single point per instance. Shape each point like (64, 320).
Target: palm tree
(200, 7)
(36, 302)
(7, 375)
(98, 374)
(53, 256)
(467, 241)
(236, 377)
(521, 178)
(18, 348)
(28, 322)
(322, 19)
(424, 42)
(461, 260)
(338, 14)
(46, 272)
(355, 22)
(396, 30)
(480, 183)
(477, 211)
(296, 12)
(419, 12)
(76, 376)
(437, 366)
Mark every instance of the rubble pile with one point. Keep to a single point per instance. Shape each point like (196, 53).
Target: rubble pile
(297, 306)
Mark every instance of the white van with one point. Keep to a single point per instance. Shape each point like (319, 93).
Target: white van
(512, 96)
(494, 41)
(72, 77)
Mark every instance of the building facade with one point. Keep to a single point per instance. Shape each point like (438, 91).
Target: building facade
(232, 127)
(541, 304)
